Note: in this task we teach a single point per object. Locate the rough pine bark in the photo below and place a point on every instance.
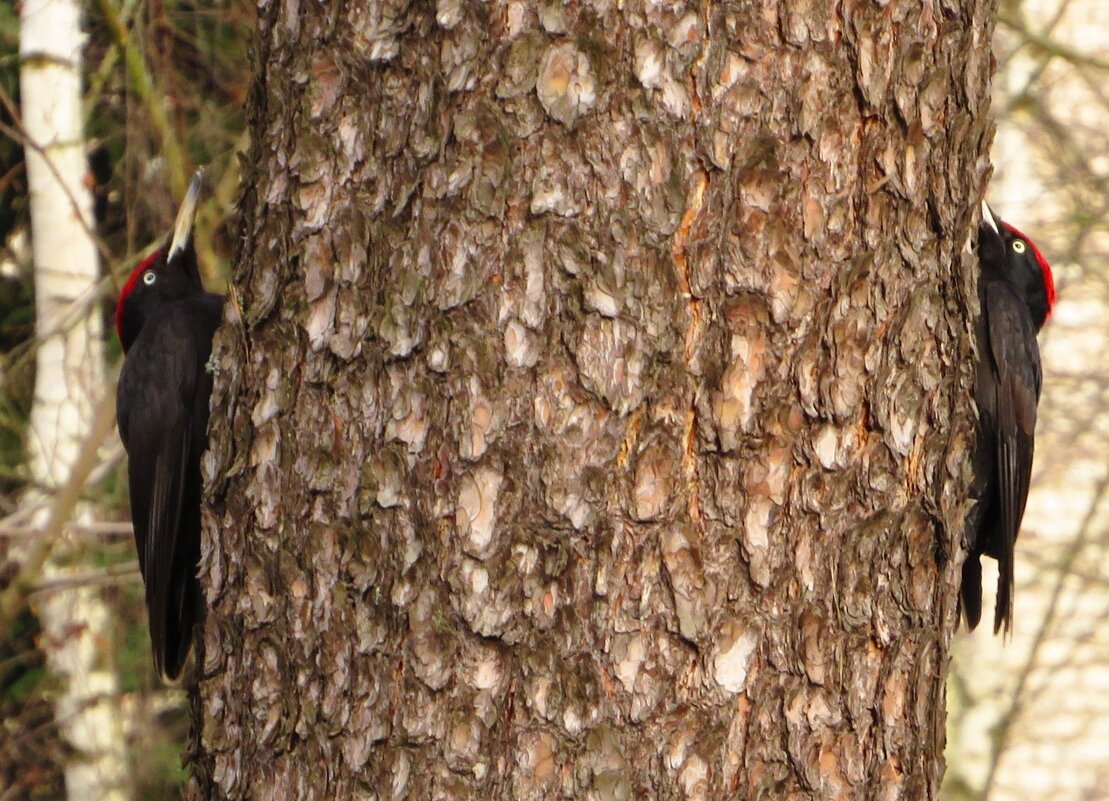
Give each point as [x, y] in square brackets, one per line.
[595, 420]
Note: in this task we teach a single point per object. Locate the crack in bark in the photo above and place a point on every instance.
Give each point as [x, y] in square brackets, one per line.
[693, 208]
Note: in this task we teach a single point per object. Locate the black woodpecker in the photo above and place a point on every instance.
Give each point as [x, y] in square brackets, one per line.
[1016, 292]
[165, 322]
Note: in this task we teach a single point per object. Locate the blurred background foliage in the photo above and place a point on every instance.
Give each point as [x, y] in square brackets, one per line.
[166, 83]
[165, 90]
[1028, 718]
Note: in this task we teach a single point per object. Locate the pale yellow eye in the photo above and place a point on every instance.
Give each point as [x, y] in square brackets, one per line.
[1018, 246]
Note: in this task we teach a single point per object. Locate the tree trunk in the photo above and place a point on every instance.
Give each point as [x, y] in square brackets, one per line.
[69, 381]
[595, 424]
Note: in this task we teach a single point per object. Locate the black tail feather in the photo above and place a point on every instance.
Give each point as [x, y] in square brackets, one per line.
[1003, 611]
[970, 590]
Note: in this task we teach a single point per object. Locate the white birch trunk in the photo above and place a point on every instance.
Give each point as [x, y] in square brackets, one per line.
[69, 380]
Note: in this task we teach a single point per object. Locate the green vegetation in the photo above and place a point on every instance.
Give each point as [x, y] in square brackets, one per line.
[166, 86]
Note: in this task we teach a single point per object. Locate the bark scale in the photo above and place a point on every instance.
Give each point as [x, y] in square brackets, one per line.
[596, 419]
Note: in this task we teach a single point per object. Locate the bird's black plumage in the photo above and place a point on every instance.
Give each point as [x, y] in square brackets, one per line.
[1015, 292]
[166, 322]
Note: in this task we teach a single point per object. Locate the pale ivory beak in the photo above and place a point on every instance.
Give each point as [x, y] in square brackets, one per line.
[988, 218]
[183, 227]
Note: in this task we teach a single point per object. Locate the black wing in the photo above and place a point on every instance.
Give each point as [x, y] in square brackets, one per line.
[1016, 356]
[163, 415]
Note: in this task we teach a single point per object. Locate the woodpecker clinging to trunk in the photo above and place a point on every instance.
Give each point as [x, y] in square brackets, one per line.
[1016, 292]
[165, 322]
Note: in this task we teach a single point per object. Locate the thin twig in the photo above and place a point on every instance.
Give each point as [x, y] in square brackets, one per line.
[99, 77]
[14, 596]
[1052, 47]
[108, 575]
[1016, 701]
[88, 530]
[152, 102]
[18, 133]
